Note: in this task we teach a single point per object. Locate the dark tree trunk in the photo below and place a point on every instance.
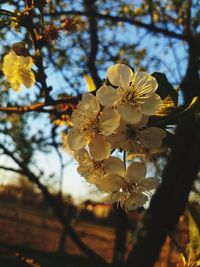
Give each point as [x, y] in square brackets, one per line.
[121, 229]
[171, 197]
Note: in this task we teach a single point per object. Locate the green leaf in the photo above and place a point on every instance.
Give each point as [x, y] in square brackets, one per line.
[164, 87]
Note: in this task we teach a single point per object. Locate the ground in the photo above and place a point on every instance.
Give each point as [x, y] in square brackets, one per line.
[37, 236]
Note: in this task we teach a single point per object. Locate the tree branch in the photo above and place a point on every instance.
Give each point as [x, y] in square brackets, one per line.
[140, 24]
[27, 22]
[11, 169]
[40, 106]
[91, 10]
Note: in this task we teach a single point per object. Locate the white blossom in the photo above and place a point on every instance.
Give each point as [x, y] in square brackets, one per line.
[93, 170]
[130, 191]
[134, 95]
[91, 125]
[137, 138]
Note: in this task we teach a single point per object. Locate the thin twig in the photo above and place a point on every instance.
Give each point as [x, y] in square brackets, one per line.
[177, 245]
[40, 106]
[149, 27]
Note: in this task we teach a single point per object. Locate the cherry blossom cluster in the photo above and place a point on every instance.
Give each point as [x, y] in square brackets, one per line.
[116, 118]
[17, 67]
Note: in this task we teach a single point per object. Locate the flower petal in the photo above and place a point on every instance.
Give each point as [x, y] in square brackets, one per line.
[17, 70]
[111, 198]
[151, 105]
[82, 155]
[9, 62]
[149, 184]
[90, 169]
[83, 118]
[15, 81]
[114, 165]
[119, 75]
[90, 102]
[152, 82]
[136, 172]
[142, 122]
[130, 114]
[144, 82]
[89, 176]
[152, 137]
[109, 121]
[110, 183]
[85, 168]
[139, 78]
[125, 138]
[28, 78]
[99, 148]
[25, 62]
[135, 201]
[108, 96]
[75, 140]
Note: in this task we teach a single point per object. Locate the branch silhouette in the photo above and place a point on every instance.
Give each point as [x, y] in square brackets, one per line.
[149, 27]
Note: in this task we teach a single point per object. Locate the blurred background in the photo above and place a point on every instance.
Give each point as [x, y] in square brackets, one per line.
[37, 172]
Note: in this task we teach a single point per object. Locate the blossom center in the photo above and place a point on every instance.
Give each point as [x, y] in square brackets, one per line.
[95, 126]
[22, 71]
[126, 192]
[98, 165]
[128, 189]
[128, 95]
[87, 124]
[131, 132]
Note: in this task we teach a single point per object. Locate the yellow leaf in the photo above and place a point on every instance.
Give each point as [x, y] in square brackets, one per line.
[193, 247]
[90, 83]
[167, 106]
[156, 17]
[194, 235]
[138, 11]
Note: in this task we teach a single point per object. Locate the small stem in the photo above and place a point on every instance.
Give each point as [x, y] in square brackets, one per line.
[42, 19]
[124, 158]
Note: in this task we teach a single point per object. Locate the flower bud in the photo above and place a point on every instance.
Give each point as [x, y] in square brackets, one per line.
[20, 49]
[28, 3]
[51, 33]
